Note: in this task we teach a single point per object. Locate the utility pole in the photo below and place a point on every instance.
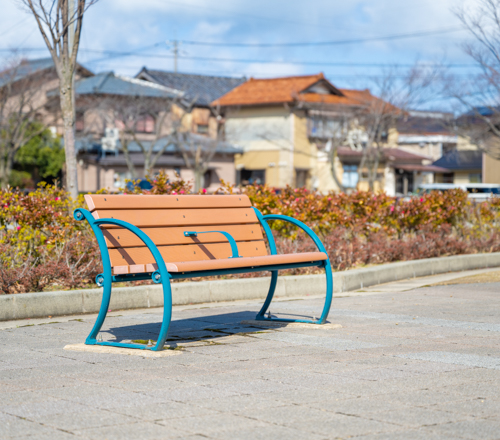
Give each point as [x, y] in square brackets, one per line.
[174, 46]
[176, 53]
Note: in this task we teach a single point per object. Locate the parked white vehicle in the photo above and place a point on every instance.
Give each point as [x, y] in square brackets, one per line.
[479, 192]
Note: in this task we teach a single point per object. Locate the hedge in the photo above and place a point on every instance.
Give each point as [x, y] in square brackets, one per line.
[43, 248]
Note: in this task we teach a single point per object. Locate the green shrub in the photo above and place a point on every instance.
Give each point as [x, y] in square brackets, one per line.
[42, 247]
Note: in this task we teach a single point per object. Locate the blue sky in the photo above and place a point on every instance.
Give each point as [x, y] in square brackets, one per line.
[143, 28]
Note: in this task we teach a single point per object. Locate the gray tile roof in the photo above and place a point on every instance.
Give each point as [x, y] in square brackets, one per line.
[108, 83]
[28, 67]
[202, 89]
[25, 68]
[461, 160]
[420, 125]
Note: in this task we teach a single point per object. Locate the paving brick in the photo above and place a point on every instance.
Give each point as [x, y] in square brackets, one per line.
[434, 376]
[141, 430]
[84, 420]
[470, 429]
[12, 426]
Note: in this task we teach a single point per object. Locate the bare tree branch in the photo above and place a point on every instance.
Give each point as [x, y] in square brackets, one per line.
[55, 20]
[20, 106]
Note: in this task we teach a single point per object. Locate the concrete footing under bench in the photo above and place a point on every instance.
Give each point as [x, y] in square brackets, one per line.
[119, 350]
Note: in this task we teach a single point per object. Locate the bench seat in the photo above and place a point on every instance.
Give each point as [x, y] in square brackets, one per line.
[232, 263]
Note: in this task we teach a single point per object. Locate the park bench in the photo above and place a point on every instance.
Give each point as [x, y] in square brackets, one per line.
[168, 237]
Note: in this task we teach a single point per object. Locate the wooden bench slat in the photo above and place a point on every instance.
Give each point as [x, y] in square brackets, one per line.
[192, 266]
[179, 217]
[116, 238]
[125, 201]
[192, 252]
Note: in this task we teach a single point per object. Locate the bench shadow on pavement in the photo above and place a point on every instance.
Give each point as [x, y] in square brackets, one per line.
[189, 330]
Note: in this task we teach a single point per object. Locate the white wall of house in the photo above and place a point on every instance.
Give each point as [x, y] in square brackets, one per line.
[259, 129]
[425, 144]
[389, 181]
[267, 137]
[460, 177]
[322, 176]
[422, 178]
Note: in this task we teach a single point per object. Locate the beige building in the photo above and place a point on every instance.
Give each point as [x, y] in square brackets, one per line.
[275, 122]
[491, 169]
[283, 126]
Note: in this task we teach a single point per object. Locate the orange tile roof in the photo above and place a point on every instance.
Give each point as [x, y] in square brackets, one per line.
[268, 91]
[290, 90]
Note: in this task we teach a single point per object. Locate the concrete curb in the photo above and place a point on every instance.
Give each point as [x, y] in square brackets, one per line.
[43, 304]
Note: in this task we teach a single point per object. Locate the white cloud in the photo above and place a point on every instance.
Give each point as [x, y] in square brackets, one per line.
[129, 25]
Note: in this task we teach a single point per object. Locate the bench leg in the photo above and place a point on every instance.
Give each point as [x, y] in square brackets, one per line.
[106, 297]
[167, 314]
[270, 295]
[326, 308]
[103, 311]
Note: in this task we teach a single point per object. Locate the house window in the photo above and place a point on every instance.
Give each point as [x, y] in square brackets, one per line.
[448, 177]
[207, 178]
[323, 128]
[350, 177]
[253, 177]
[202, 128]
[145, 124]
[475, 178]
[301, 178]
[404, 182]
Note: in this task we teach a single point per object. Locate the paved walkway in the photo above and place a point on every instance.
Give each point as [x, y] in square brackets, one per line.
[421, 363]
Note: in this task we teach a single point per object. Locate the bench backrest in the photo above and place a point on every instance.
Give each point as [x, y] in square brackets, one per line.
[164, 218]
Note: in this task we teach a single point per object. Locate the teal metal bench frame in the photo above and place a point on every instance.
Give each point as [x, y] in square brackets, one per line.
[162, 276]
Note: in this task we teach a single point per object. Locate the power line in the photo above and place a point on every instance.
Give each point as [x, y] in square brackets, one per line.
[328, 43]
[252, 60]
[114, 54]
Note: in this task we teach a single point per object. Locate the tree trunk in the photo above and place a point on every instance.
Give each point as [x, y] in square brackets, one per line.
[6, 165]
[333, 156]
[128, 160]
[374, 172]
[147, 163]
[68, 116]
[4, 174]
[198, 177]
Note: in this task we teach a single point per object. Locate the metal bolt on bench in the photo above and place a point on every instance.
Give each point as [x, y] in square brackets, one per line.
[152, 237]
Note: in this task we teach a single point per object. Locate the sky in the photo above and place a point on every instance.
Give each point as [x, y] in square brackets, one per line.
[125, 35]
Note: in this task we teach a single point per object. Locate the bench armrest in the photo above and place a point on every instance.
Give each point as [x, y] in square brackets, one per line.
[265, 218]
[80, 214]
[232, 241]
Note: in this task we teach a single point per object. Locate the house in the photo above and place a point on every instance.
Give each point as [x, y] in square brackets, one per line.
[40, 76]
[462, 166]
[444, 138]
[123, 126]
[25, 110]
[199, 92]
[477, 126]
[429, 133]
[285, 126]
[402, 172]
